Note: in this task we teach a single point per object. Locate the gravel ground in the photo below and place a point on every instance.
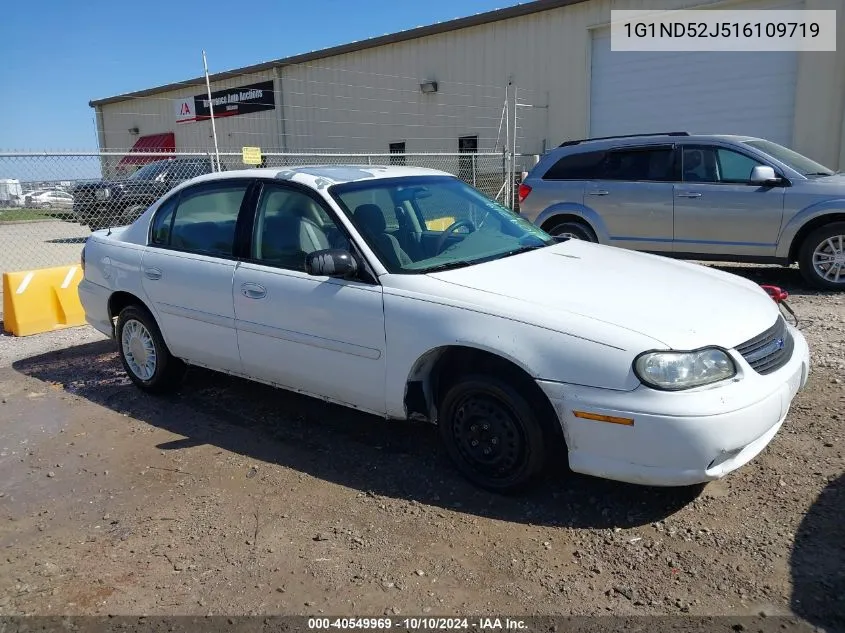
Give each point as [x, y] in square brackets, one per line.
[235, 498]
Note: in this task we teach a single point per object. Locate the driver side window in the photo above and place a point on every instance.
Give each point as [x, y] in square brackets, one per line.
[291, 225]
[717, 165]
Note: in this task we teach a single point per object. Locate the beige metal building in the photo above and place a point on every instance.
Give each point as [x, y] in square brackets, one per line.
[442, 88]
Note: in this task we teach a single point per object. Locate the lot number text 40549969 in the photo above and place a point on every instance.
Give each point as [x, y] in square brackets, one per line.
[416, 623]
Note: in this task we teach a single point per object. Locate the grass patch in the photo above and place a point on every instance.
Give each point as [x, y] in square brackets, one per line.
[22, 215]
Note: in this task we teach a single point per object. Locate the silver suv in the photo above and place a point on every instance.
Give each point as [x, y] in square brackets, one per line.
[717, 198]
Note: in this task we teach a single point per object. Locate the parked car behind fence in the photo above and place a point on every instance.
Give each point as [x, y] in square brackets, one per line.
[117, 202]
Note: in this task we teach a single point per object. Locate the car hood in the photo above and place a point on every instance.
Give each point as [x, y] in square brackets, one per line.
[836, 181]
[679, 304]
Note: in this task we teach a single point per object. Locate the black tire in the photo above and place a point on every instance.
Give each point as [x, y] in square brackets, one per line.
[514, 439]
[132, 212]
[578, 230]
[168, 370]
[817, 238]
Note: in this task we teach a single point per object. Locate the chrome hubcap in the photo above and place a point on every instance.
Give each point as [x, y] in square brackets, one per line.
[829, 259]
[139, 349]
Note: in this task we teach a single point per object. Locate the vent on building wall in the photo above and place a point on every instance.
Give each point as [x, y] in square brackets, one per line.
[428, 87]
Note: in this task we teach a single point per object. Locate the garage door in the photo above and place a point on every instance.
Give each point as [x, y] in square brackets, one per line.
[699, 92]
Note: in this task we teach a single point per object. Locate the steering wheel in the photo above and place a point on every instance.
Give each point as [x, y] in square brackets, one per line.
[441, 241]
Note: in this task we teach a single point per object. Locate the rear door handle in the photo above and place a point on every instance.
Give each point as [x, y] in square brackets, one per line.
[597, 192]
[689, 194]
[253, 291]
[152, 273]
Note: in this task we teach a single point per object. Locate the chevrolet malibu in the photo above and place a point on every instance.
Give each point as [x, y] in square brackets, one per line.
[406, 293]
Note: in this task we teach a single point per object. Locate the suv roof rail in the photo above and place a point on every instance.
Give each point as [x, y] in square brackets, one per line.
[607, 138]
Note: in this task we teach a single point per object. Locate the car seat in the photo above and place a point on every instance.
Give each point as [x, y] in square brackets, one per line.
[369, 218]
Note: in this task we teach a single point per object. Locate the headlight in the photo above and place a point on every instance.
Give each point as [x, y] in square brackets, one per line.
[102, 194]
[673, 371]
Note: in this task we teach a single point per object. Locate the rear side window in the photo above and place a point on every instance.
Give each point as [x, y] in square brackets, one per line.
[583, 166]
[184, 170]
[634, 164]
[206, 217]
[641, 164]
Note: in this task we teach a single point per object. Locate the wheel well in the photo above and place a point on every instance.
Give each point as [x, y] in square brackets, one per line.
[808, 228]
[565, 217]
[120, 300]
[438, 369]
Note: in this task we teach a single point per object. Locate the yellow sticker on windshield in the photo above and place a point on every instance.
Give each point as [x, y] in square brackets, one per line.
[439, 224]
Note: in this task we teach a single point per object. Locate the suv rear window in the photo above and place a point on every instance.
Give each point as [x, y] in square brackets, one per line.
[583, 166]
[631, 164]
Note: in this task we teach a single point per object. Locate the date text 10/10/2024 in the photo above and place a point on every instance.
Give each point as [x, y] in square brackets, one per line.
[412, 623]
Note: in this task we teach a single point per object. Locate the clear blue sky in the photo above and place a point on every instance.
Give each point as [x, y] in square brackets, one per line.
[58, 54]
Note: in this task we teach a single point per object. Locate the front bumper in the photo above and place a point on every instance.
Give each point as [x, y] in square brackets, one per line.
[678, 438]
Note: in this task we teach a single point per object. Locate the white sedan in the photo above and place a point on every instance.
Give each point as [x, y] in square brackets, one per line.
[406, 293]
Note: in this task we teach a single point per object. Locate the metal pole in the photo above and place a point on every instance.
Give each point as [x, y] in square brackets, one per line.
[211, 110]
[513, 155]
[507, 146]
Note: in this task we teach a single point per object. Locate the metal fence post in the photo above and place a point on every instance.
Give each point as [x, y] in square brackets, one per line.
[474, 169]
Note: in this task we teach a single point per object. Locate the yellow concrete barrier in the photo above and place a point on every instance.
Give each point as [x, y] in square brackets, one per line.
[439, 224]
[42, 300]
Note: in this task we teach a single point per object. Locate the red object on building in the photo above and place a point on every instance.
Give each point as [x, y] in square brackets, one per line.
[159, 143]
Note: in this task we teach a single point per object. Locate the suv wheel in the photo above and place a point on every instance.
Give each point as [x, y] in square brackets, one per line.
[574, 230]
[822, 257]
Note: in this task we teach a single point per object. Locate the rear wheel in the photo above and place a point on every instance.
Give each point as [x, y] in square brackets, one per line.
[492, 434]
[822, 257]
[132, 213]
[573, 230]
[145, 356]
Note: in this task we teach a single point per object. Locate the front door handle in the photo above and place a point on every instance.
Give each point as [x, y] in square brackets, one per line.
[689, 194]
[152, 273]
[598, 192]
[253, 291]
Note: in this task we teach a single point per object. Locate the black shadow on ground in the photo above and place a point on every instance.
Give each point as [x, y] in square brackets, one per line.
[67, 240]
[337, 444]
[818, 560]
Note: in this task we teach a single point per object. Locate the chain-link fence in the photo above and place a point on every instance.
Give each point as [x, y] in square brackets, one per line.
[50, 202]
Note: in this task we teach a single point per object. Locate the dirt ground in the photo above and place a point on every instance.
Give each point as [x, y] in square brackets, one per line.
[234, 498]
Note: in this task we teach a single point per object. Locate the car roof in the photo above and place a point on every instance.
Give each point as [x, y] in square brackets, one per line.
[319, 176]
[647, 139]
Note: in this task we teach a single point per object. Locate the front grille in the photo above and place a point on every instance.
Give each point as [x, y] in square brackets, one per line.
[769, 351]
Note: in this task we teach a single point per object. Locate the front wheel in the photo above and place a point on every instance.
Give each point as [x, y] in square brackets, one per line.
[573, 230]
[492, 434]
[822, 257]
[145, 357]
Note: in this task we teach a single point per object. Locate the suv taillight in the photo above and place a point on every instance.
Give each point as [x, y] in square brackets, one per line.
[524, 190]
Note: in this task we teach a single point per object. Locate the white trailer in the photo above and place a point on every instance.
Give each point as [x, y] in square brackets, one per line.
[11, 193]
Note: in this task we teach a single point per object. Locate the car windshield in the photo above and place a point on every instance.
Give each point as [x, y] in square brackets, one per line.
[420, 224]
[149, 172]
[793, 159]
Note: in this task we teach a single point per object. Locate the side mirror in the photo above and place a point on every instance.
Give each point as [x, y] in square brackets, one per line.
[332, 262]
[763, 174]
